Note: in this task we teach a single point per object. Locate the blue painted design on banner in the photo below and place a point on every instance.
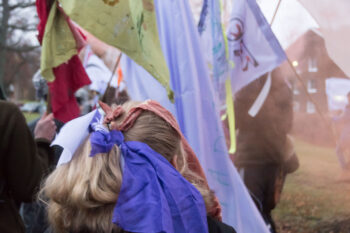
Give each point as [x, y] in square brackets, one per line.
[203, 16]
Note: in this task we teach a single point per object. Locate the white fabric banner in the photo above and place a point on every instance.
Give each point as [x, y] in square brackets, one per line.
[333, 19]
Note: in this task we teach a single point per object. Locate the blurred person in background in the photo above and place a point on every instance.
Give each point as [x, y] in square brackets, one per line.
[343, 143]
[265, 153]
[82, 97]
[41, 90]
[24, 160]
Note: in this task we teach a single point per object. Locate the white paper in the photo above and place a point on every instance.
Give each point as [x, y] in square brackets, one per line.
[72, 135]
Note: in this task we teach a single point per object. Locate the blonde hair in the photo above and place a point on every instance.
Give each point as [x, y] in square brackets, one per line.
[82, 193]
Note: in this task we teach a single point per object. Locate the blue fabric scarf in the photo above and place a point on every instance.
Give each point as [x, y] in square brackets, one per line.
[154, 196]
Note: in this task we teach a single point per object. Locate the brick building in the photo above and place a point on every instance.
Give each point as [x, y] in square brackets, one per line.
[311, 60]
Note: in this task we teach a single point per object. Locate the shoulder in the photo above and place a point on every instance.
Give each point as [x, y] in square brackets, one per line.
[12, 120]
[9, 109]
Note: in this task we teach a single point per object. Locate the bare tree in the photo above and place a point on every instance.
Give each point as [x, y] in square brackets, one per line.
[17, 40]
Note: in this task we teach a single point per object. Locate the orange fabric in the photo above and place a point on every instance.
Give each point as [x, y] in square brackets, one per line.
[120, 75]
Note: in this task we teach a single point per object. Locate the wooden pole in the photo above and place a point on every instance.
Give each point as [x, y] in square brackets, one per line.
[48, 105]
[110, 79]
[275, 13]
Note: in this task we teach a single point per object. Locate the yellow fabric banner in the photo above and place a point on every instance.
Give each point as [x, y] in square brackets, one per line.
[129, 25]
[231, 116]
[58, 44]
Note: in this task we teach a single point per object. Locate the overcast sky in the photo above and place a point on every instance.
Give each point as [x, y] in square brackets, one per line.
[291, 21]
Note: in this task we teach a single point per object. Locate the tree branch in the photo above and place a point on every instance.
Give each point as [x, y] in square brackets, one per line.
[25, 48]
[23, 27]
[22, 5]
[15, 71]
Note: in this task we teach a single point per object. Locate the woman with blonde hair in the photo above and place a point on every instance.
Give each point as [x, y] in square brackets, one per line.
[134, 173]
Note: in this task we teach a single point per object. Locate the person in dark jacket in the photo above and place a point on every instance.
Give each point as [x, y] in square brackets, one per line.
[265, 152]
[23, 162]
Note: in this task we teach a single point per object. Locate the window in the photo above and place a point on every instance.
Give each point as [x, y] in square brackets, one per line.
[312, 65]
[296, 106]
[310, 107]
[311, 86]
[295, 89]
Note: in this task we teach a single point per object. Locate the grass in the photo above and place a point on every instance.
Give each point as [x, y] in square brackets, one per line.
[312, 197]
[30, 116]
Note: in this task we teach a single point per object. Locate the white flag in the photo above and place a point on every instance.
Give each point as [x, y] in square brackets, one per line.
[252, 45]
[333, 19]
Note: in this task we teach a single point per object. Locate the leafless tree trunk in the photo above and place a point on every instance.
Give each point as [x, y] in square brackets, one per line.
[14, 24]
[3, 35]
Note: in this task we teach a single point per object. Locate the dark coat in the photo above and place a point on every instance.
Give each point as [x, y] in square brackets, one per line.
[214, 226]
[262, 139]
[23, 162]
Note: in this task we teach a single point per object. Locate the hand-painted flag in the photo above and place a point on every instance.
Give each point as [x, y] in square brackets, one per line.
[196, 111]
[128, 25]
[333, 19]
[252, 45]
[65, 73]
[213, 41]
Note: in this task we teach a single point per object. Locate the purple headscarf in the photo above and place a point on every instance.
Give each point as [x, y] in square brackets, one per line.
[154, 196]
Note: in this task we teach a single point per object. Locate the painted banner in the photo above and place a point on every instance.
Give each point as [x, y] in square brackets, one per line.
[128, 25]
[214, 45]
[253, 47]
[196, 110]
[333, 19]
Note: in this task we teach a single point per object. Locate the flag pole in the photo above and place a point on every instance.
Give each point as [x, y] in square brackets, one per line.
[275, 13]
[110, 79]
[300, 79]
[48, 104]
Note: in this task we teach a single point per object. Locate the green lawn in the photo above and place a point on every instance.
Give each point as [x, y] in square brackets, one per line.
[30, 116]
[312, 199]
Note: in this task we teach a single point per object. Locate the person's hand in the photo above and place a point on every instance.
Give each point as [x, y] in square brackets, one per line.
[45, 128]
